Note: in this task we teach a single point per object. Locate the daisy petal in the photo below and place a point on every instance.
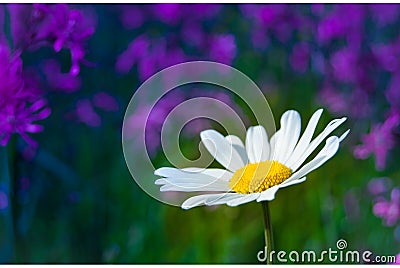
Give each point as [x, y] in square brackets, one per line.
[329, 150]
[189, 181]
[273, 141]
[238, 145]
[243, 199]
[207, 199]
[311, 147]
[305, 139]
[198, 200]
[193, 173]
[290, 133]
[202, 179]
[221, 149]
[212, 201]
[344, 135]
[257, 146]
[195, 187]
[268, 194]
[286, 184]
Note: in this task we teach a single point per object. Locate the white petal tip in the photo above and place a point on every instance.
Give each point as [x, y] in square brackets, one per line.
[186, 207]
[265, 199]
[159, 182]
[344, 135]
[268, 195]
[161, 171]
[204, 133]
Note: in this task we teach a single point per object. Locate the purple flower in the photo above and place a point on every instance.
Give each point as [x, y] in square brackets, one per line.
[300, 57]
[345, 65]
[71, 29]
[358, 103]
[60, 81]
[330, 27]
[105, 102]
[132, 16]
[223, 48]
[333, 99]
[387, 56]
[379, 141]
[379, 185]
[86, 113]
[260, 38]
[345, 21]
[150, 56]
[317, 9]
[389, 211]
[269, 14]
[35, 25]
[20, 102]
[192, 31]
[392, 93]
[137, 49]
[384, 14]
[168, 13]
[29, 24]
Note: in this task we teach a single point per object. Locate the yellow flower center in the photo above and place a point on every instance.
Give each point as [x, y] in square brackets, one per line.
[257, 177]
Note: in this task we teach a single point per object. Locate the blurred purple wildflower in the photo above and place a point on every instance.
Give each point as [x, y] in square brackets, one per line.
[86, 114]
[379, 141]
[149, 57]
[35, 25]
[379, 185]
[344, 21]
[192, 31]
[132, 16]
[392, 93]
[389, 211]
[345, 65]
[58, 80]
[151, 53]
[168, 13]
[333, 99]
[387, 55]
[158, 113]
[300, 57]
[384, 14]
[223, 48]
[20, 102]
[137, 49]
[105, 102]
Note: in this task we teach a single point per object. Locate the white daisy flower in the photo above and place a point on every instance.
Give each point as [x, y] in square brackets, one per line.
[258, 169]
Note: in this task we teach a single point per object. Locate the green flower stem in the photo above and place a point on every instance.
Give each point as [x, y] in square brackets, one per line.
[269, 242]
[6, 217]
